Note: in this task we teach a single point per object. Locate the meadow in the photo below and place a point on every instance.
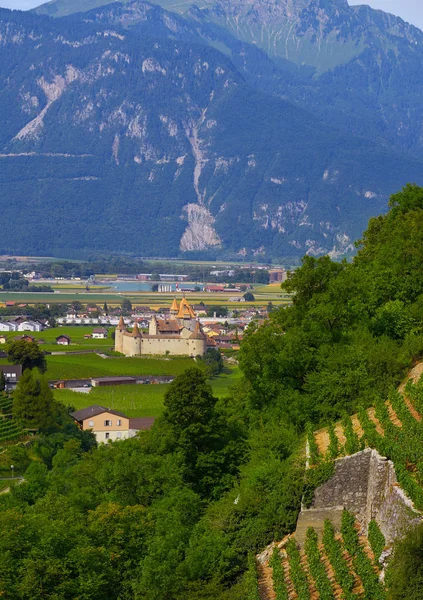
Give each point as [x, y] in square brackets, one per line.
[139, 400]
[74, 332]
[82, 366]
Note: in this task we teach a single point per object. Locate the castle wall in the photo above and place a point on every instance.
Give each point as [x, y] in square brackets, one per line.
[174, 346]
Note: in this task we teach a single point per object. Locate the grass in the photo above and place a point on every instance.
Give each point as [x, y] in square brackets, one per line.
[82, 366]
[75, 333]
[138, 400]
[4, 484]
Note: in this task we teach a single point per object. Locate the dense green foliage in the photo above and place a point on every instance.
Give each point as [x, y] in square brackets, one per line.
[34, 406]
[27, 354]
[332, 351]
[404, 577]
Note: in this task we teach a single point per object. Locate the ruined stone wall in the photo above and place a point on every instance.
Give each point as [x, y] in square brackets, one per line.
[365, 484]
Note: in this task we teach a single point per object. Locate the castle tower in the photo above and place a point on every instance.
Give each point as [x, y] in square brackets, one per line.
[186, 316]
[136, 341]
[198, 341]
[174, 309]
[152, 329]
[119, 333]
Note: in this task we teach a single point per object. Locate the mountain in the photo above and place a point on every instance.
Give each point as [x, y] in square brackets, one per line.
[354, 67]
[130, 128]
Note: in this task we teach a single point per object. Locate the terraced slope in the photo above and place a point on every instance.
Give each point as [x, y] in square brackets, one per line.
[341, 565]
[394, 428]
[9, 430]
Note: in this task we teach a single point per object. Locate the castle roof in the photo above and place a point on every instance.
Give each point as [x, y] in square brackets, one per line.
[198, 333]
[136, 333]
[185, 310]
[121, 324]
[164, 325]
[175, 306]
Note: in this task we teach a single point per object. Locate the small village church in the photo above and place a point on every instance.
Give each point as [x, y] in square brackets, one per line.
[180, 335]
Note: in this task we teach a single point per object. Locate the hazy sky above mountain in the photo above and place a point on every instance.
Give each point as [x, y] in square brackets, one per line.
[409, 10]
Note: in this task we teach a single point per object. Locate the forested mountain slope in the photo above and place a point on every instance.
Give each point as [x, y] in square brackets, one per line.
[129, 118]
[355, 67]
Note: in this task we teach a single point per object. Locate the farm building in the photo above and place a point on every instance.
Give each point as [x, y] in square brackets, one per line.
[99, 334]
[104, 381]
[63, 340]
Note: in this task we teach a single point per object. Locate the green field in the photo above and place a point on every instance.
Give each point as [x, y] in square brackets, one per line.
[82, 366]
[59, 298]
[75, 333]
[263, 294]
[138, 400]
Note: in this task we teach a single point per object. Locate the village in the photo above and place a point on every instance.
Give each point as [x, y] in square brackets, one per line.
[123, 355]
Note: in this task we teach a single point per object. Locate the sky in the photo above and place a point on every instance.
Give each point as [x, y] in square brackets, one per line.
[409, 10]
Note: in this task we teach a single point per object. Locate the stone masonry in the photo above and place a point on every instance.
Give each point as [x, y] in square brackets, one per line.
[365, 484]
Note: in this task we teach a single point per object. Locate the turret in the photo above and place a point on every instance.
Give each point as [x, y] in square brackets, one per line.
[136, 342]
[198, 341]
[152, 330]
[174, 309]
[119, 333]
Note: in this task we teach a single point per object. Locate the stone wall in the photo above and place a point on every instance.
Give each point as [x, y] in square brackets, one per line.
[365, 484]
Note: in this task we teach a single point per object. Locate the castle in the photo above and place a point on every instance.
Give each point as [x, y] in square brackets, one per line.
[180, 335]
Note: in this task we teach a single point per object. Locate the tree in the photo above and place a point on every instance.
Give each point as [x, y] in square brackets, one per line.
[213, 360]
[105, 309]
[2, 382]
[126, 305]
[27, 354]
[76, 305]
[221, 311]
[211, 449]
[249, 297]
[33, 402]
[189, 401]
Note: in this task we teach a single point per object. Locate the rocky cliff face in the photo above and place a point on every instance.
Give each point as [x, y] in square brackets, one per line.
[160, 129]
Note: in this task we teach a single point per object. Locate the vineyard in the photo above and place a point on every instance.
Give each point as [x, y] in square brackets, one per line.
[9, 429]
[345, 565]
[394, 428]
[340, 566]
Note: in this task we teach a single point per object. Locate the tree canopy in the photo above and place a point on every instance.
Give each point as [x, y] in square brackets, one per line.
[27, 354]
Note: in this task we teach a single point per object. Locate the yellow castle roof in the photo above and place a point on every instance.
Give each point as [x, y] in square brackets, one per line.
[185, 310]
[175, 306]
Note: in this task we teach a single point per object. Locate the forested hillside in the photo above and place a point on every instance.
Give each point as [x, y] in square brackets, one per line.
[167, 133]
[175, 512]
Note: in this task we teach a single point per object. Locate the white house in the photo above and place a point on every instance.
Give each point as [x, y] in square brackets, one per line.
[7, 326]
[99, 334]
[30, 326]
